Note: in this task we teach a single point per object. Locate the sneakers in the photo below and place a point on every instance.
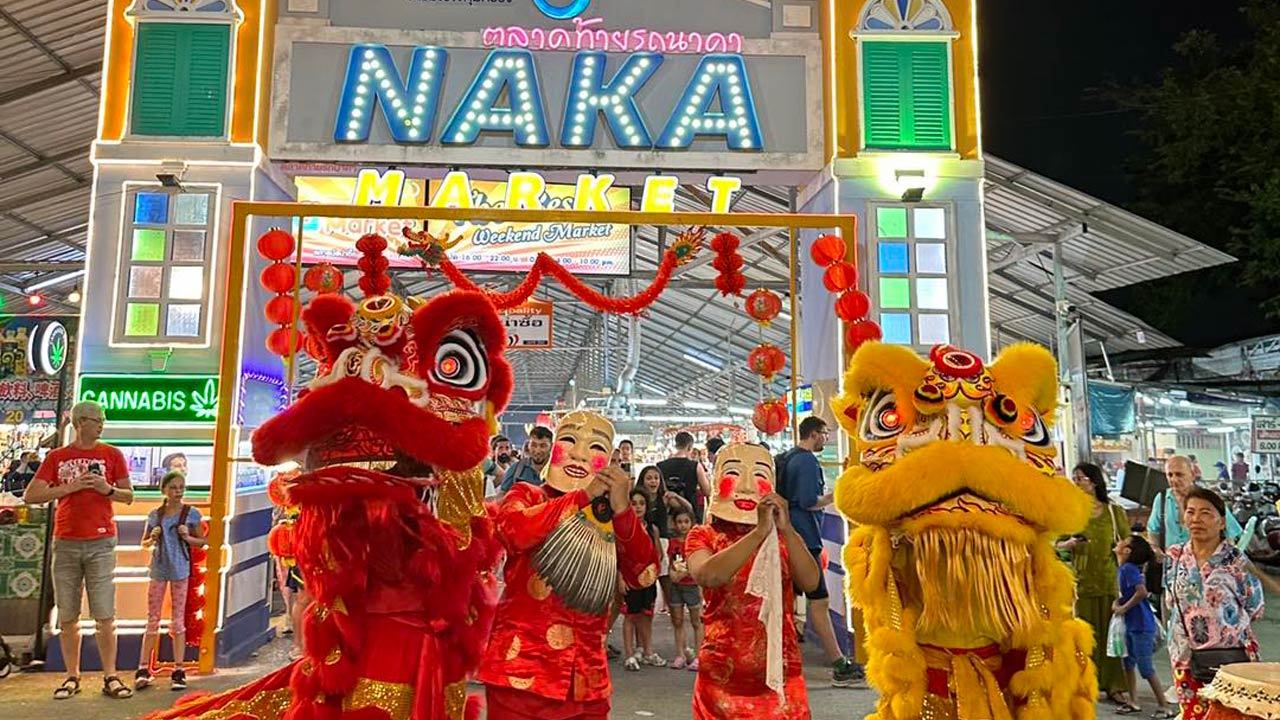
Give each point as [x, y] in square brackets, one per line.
[847, 674]
[678, 663]
[655, 660]
[142, 679]
[632, 663]
[693, 666]
[178, 680]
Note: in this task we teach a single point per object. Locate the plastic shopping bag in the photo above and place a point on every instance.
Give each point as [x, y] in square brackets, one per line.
[1115, 637]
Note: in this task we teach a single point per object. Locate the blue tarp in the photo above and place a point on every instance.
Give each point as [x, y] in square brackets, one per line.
[1111, 409]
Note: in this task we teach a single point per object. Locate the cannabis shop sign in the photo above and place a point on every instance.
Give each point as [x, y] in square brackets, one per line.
[154, 398]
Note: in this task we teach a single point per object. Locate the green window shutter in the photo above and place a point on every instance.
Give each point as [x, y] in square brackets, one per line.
[180, 82]
[906, 95]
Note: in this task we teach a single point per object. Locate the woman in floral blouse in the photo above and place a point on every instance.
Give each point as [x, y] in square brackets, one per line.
[1216, 597]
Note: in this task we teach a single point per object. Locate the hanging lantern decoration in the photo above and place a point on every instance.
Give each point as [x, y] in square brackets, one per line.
[771, 416]
[728, 263]
[323, 279]
[766, 361]
[862, 331]
[853, 305]
[280, 540]
[280, 278]
[763, 306]
[373, 266]
[840, 276]
[828, 249]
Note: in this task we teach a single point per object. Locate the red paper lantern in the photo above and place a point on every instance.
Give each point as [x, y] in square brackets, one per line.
[828, 249]
[285, 341]
[840, 276]
[275, 244]
[853, 305]
[280, 541]
[862, 331]
[766, 360]
[770, 416]
[763, 306]
[278, 492]
[280, 309]
[323, 278]
[279, 278]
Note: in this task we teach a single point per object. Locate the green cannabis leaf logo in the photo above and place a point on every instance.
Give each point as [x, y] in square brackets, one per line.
[204, 403]
[58, 351]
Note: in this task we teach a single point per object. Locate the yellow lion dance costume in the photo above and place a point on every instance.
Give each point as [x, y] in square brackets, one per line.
[957, 502]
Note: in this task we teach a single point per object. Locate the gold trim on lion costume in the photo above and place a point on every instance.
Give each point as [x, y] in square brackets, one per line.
[956, 500]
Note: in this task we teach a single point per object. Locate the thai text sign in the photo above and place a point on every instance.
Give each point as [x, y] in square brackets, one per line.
[1266, 434]
[153, 398]
[529, 326]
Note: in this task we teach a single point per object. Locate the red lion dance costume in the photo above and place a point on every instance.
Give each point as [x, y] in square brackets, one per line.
[398, 563]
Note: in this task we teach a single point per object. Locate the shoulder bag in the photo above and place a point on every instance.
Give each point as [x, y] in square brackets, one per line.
[1205, 663]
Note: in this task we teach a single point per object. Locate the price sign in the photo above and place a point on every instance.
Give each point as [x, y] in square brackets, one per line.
[1266, 434]
[529, 326]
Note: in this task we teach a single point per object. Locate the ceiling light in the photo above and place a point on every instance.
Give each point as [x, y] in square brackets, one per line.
[698, 405]
[35, 300]
[648, 402]
[741, 410]
[701, 363]
[1222, 429]
[74, 296]
[1184, 423]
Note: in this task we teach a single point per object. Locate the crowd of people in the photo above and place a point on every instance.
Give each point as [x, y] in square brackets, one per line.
[1181, 577]
[1179, 580]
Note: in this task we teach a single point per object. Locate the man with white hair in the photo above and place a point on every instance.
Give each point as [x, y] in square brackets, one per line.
[1164, 527]
[86, 478]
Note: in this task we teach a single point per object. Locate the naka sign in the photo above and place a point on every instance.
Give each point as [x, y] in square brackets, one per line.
[505, 97]
[540, 83]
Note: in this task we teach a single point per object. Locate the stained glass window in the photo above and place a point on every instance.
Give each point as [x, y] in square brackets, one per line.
[913, 286]
[163, 292]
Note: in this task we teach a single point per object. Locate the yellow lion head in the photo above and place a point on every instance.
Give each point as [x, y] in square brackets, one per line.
[954, 486]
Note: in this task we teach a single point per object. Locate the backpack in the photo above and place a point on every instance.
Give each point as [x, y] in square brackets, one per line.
[183, 514]
[780, 479]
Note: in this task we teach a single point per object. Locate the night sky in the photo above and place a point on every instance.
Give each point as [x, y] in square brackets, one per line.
[1044, 65]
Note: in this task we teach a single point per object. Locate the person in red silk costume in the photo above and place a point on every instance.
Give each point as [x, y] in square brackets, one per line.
[398, 564]
[546, 656]
[745, 559]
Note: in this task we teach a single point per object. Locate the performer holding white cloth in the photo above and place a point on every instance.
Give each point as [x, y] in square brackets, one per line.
[745, 559]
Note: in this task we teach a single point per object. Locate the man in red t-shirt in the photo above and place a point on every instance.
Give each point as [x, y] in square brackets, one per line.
[85, 477]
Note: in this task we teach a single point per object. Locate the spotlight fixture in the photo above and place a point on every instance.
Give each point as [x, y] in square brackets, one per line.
[169, 180]
[911, 183]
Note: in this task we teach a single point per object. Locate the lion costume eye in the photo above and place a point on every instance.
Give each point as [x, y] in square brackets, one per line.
[460, 362]
[1034, 431]
[881, 420]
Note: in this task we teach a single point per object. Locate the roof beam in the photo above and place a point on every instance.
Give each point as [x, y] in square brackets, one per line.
[66, 76]
[40, 157]
[44, 162]
[42, 47]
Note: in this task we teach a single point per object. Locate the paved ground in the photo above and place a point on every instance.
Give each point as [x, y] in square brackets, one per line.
[651, 693]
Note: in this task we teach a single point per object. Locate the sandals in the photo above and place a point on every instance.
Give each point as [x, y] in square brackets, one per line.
[114, 689]
[1128, 710]
[1165, 714]
[69, 687]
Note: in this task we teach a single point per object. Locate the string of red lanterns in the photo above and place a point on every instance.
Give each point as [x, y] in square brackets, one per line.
[280, 278]
[841, 279]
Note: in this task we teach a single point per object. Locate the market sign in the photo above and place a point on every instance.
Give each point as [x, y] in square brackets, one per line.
[1266, 434]
[529, 326]
[581, 248]
[165, 399]
[697, 86]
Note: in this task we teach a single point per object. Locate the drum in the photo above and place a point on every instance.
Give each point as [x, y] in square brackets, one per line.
[1244, 690]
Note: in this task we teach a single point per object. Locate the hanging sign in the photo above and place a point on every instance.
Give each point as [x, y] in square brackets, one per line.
[1266, 434]
[529, 326]
[153, 398]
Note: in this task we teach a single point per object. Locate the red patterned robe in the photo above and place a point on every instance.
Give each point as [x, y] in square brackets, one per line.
[731, 675]
[546, 660]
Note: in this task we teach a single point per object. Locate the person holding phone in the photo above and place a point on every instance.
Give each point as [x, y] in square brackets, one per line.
[86, 478]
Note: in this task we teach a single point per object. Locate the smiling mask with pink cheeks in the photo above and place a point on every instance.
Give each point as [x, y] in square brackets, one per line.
[744, 475]
[584, 441]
